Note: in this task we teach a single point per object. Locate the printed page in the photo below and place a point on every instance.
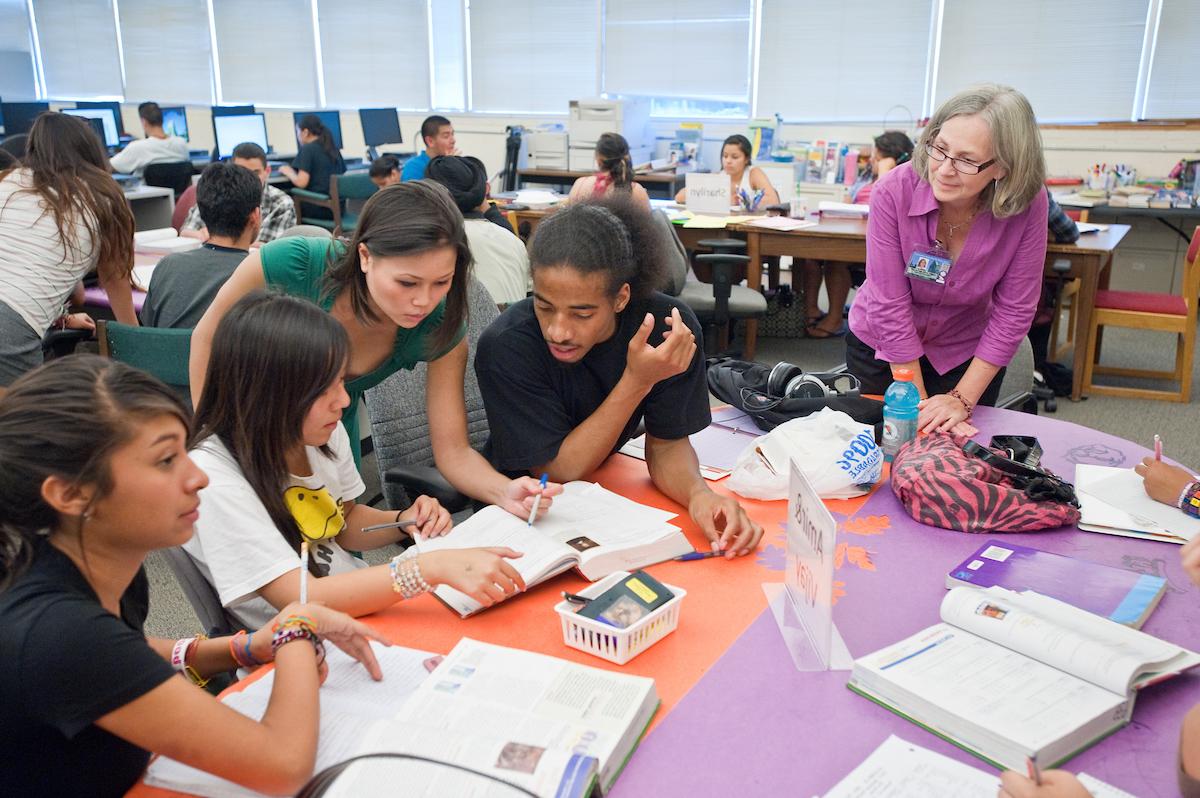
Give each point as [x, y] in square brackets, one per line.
[1011, 695]
[899, 769]
[529, 698]
[1075, 641]
[1101, 789]
[493, 526]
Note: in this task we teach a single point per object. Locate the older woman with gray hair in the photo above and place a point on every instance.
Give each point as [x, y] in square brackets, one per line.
[956, 244]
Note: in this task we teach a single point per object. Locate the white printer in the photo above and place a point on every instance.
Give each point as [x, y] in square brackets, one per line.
[588, 119]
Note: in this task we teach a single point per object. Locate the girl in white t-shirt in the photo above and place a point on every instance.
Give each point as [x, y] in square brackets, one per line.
[269, 434]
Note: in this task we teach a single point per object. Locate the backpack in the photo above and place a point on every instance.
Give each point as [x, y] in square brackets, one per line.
[772, 395]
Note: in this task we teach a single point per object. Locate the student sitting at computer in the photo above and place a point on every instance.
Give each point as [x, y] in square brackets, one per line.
[614, 172]
[270, 438]
[61, 217]
[385, 171]
[156, 147]
[568, 374]
[278, 210]
[316, 163]
[399, 288]
[184, 284]
[501, 262]
[438, 135]
[95, 475]
[745, 180]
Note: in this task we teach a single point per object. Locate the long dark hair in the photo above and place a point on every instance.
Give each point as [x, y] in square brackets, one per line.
[612, 150]
[742, 143]
[405, 219]
[313, 124]
[65, 419]
[272, 356]
[894, 144]
[613, 235]
[72, 178]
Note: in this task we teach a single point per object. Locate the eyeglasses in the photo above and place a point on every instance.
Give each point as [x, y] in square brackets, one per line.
[962, 167]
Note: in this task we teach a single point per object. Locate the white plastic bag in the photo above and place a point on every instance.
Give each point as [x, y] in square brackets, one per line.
[837, 454]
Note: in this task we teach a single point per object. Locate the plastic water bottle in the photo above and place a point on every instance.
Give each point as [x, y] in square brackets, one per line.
[899, 412]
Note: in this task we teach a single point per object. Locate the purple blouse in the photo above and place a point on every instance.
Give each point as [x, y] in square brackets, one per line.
[991, 292]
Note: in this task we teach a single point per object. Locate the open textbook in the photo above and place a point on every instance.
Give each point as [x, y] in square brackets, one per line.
[550, 726]
[1113, 501]
[1008, 675]
[588, 527]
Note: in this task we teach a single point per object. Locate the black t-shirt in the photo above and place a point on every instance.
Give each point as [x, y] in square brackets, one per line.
[65, 662]
[534, 402]
[313, 159]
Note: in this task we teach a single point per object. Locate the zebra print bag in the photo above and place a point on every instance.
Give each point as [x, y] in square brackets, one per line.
[941, 485]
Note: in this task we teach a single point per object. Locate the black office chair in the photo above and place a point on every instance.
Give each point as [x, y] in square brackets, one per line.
[15, 145]
[176, 176]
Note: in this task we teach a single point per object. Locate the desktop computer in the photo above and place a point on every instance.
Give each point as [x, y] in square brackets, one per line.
[233, 130]
[18, 117]
[232, 110]
[175, 121]
[115, 107]
[380, 126]
[109, 134]
[330, 119]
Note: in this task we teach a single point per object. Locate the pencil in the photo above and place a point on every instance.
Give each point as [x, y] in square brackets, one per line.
[537, 502]
[304, 572]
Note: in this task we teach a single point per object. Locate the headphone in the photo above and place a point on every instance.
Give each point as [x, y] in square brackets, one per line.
[788, 381]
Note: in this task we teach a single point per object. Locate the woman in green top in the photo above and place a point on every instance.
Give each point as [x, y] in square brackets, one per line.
[400, 290]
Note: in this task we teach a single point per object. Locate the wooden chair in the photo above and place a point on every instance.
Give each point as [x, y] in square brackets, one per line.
[1068, 290]
[1149, 311]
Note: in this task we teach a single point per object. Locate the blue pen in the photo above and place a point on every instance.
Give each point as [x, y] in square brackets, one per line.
[538, 501]
[698, 555]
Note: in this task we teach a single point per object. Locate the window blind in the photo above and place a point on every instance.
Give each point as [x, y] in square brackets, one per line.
[79, 48]
[265, 52]
[449, 57]
[1174, 88]
[17, 80]
[375, 53]
[531, 56]
[167, 51]
[678, 48]
[1076, 60]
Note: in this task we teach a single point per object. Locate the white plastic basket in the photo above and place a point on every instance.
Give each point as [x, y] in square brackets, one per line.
[608, 642]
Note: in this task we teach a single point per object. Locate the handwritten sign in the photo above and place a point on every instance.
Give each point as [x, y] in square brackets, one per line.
[808, 580]
[708, 193]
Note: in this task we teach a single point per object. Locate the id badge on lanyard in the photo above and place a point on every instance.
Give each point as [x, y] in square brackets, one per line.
[930, 264]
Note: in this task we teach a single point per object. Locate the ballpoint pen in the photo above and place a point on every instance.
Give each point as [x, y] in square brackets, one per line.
[698, 555]
[537, 502]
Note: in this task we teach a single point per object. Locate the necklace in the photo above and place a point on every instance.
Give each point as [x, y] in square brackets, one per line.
[951, 229]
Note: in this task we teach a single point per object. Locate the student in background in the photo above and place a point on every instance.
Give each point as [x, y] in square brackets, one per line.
[743, 176]
[61, 217]
[156, 147]
[399, 289]
[184, 284]
[385, 171]
[568, 375]
[438, 135]
[94, 475]
[278, 210]
[501, 262]
[891, 148]
[316, 163]
[614, 172]
[280, 469]
[977, 173]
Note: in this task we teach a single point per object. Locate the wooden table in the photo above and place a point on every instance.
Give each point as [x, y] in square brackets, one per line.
[665, 184]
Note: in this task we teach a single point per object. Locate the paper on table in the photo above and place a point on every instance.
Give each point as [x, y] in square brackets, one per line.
[706, 223]
[783, 223]
[1121, 489]
[1100, 789]
[899, 769]
[717, 446]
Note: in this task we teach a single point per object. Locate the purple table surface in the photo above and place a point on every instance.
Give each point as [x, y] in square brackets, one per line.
[754, 725]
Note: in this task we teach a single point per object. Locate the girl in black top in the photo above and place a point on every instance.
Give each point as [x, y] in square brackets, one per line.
[316, 163]
[94, 475]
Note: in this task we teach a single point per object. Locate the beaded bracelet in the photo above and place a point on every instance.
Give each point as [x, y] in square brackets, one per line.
[406, 575]
[284, 636]
[1189, 499]
[970, 408]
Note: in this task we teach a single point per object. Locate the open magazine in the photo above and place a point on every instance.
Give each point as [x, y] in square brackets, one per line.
[1009, 675]
[588, 527]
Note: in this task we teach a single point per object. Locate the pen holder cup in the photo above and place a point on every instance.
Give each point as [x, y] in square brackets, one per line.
[608, 642]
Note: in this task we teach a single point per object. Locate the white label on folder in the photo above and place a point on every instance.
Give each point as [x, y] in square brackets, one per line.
[996, 553]
[708, 193]
[975, 565]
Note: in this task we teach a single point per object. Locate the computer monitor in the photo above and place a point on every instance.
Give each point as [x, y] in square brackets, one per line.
[97, 126]
[112, 106]
[232, 110]
[233, 130]
[380, 126]
[18, 117]
[330, 119]
[105, 116]
[175, 121]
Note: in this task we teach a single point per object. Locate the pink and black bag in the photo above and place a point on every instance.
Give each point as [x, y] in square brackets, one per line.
[941, 484]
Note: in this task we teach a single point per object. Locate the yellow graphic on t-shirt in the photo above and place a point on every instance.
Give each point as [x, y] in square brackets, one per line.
[317, 513]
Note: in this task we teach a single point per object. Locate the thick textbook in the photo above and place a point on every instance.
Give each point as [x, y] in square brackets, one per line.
[1008, 675]
[1117, 594]
[588, 527]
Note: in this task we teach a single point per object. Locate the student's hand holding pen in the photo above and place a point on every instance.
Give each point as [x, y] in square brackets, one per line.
[724, 523]
[1163, 481]
[433, 520]
[522, 493]
[1054, 784]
